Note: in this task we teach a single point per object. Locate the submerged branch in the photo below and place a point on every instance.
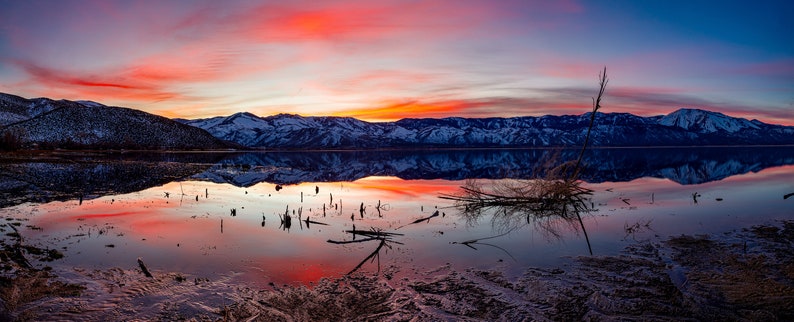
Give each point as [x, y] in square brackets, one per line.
[373, 233]
[469, 243]
[385, 239]
[474, 241]
[371, 256]
[541, 197]
[559, 194]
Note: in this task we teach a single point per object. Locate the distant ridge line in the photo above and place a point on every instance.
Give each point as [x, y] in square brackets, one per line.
[33, 123]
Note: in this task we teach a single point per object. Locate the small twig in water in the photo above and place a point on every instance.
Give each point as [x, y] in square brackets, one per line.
[469, 243]
[427, 219]
[308, 221]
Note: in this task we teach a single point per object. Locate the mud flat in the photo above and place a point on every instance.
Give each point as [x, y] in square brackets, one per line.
[745, 274]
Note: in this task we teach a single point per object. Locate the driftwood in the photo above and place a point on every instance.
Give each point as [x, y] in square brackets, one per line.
[374, 255]
[342, 242]
[143, 268]
[372, 234]
[788, 195]
[560, 194]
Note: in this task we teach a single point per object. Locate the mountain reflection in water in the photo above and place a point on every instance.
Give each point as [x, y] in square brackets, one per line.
[67, 176]
[684, 166]
[206, 214]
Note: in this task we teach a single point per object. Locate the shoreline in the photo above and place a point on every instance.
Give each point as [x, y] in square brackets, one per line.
[742, 274]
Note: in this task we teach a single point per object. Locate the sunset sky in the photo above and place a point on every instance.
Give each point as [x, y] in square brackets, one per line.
[386, 60]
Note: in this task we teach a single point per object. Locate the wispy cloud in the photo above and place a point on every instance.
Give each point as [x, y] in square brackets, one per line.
[388, 59]
[94, 86]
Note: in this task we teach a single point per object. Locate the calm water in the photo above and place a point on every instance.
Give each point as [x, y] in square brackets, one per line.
[175, 210]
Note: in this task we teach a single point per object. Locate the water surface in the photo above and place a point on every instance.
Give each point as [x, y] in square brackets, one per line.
[209, 215]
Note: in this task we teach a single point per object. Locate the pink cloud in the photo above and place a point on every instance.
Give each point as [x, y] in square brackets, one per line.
[782, 68]
[433, 58]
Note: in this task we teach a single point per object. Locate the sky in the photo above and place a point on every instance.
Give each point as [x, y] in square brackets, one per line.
[387, 60]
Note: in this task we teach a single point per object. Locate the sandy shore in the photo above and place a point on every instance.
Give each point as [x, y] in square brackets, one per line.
[746, 274]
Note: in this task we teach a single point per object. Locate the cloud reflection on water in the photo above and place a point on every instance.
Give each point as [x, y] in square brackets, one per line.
[183, 234]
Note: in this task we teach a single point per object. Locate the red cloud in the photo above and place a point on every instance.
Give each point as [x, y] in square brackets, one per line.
[95, 86]
[355, 21]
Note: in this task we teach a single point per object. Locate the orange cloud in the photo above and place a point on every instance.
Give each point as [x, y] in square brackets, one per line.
[384, 80]
[479, 107]
[399, 110]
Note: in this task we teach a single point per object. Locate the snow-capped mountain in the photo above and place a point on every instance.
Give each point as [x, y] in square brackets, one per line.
[707, 122]
[86, 125]
[293, 131]
[684, 127]
[16, 109]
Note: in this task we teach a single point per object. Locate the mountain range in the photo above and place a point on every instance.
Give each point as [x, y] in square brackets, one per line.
[47, 123]
[684, 127]
[44, 122]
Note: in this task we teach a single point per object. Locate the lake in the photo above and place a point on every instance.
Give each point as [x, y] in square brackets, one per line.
[221, 216]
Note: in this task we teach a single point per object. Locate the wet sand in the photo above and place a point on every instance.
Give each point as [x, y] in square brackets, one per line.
[746, 274]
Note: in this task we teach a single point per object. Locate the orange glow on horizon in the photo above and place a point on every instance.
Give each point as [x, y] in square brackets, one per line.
[400, 110]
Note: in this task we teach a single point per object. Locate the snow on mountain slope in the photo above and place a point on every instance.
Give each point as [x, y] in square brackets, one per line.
[682, 127]
[15, 109]
[705, 121]
[287, 130]
[45, 123]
